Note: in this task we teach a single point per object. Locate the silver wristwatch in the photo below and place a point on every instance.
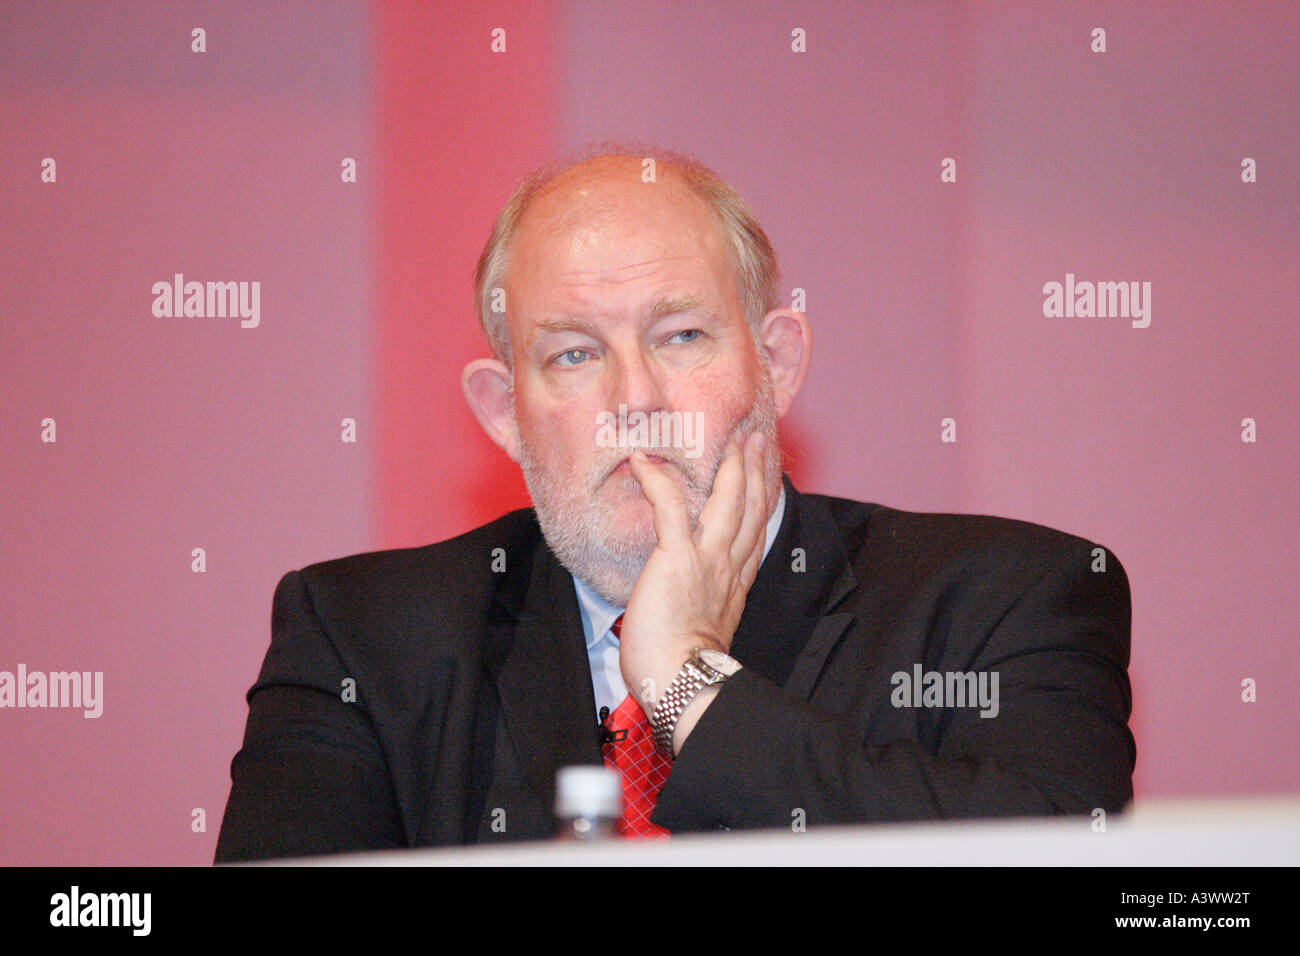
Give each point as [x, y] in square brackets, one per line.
[706, 668]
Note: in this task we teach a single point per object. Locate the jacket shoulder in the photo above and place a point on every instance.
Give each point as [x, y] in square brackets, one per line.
[451, 575]
[916, 540]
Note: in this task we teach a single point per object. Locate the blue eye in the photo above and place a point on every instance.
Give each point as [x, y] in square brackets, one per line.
[569, 354]
[693, 333]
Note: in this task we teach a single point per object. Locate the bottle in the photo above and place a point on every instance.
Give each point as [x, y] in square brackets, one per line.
[588, 801]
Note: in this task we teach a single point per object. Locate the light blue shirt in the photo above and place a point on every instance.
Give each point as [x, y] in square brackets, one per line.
[598, 617]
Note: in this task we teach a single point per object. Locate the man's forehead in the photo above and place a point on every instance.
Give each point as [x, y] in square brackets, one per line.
[596, 265]
[659, 306]
[600, 245]
[613, 272]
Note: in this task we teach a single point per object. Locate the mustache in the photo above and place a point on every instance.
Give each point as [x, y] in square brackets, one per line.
[605, 464]
[700, 480]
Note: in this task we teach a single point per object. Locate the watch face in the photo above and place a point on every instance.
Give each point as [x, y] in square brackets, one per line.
[719, 661]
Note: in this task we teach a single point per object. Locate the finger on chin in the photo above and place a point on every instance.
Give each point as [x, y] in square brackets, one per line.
[666, 500]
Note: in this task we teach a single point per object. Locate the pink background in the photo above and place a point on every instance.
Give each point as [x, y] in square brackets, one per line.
[925, 299]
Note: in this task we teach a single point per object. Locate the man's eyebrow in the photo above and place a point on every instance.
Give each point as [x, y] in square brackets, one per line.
[666, 305]
[561, 324]
[674, 304]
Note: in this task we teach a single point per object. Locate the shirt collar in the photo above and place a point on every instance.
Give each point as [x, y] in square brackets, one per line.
[598, 615]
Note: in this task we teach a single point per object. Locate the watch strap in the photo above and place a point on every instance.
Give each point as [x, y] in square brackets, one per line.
[694, 676]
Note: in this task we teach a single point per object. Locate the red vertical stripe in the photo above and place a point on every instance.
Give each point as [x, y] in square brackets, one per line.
[457, 125]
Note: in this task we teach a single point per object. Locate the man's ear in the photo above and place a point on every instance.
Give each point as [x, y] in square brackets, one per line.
[786, 338]
[486, 384]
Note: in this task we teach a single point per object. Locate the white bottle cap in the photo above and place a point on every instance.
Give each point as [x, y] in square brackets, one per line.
[588, 791]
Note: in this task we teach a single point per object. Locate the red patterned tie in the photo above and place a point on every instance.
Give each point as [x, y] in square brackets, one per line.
[633, 755]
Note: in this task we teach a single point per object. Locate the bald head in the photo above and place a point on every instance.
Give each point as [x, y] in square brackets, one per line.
[596, 190]
[601, 196]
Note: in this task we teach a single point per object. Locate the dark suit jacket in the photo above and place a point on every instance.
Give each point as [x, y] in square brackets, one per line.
[472, 687]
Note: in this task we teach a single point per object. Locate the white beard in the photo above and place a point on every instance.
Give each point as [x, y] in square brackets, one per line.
[582, 529]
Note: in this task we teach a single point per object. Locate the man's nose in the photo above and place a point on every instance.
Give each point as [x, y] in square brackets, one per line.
[638, 382]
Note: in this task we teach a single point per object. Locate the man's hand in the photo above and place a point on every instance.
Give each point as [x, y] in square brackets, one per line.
[692, 589]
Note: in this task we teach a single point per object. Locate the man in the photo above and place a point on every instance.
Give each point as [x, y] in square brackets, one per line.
[781, 659]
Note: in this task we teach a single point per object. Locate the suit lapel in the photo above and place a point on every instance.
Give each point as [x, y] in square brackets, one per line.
[788, 629]
[544, 680]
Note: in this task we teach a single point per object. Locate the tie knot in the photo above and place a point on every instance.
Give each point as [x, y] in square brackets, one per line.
[617, 626]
